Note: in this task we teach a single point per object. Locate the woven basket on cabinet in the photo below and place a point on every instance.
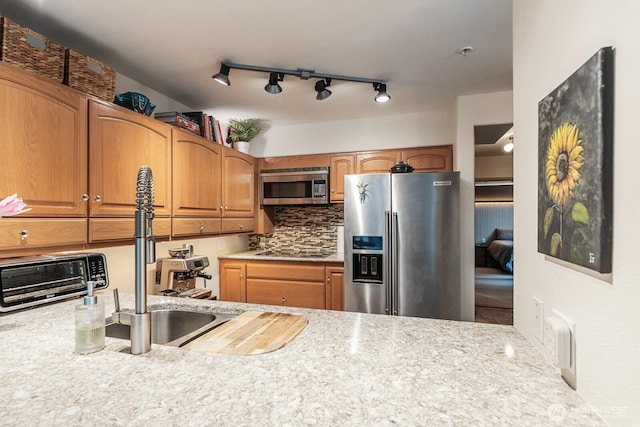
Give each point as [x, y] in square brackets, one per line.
[89, 75]
[31, 51]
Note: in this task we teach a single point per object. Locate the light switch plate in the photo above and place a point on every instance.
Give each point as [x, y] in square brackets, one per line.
[538, 319]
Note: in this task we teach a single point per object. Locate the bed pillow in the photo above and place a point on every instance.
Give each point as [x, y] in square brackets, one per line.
[504, 234]
[502, 252]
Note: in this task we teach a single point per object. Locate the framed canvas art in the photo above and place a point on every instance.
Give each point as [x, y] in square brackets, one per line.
[575, 166]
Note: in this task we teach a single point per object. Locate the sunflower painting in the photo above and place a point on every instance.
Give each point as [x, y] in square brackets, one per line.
[575, 161]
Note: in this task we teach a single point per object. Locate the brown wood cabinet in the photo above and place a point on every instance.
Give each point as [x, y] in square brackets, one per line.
[429, 159]
[238, 184]
[233, 281]
[335, 286]
[121, 141]
[340, 166]
[296, 283]
[43, 136]
[377, 161]
[196, 176]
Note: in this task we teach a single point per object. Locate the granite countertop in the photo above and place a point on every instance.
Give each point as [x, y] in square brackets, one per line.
[258, 255]
[343, 369]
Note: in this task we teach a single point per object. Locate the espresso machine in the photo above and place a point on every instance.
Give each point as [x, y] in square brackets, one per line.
[176, 275]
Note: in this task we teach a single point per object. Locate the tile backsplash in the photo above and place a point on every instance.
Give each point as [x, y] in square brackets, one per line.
[306, 229]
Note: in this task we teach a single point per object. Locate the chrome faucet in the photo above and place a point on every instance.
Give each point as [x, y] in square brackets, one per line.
[145, 253]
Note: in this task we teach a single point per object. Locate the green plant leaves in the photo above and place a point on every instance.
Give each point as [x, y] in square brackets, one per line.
[548, 220]
[579, 213]
[556, 244]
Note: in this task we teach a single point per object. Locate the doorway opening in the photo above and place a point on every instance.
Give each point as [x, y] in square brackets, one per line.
[494, 263]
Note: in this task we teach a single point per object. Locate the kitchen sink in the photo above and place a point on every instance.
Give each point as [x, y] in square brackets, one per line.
[173, 327]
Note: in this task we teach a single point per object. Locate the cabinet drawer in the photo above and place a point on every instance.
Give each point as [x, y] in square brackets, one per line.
[305, 271]
[237, 225]
[41, 232]
[195, 226]
[105, 229]
[297, 294]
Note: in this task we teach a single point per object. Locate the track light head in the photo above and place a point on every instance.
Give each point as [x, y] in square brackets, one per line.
[273, 87]
[223, 76]
[321, 88]
[382, 95]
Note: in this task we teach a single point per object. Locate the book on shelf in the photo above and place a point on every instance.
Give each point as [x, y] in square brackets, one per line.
[178, 119]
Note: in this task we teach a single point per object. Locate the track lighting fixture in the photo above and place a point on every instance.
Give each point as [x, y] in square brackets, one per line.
[273, 87]
[223, 75]
[277, 75]
[382, 95]
[321, 88]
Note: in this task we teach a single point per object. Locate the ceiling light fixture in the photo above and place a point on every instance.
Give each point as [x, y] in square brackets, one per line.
[223, 76]
[273, 87]
[382, 95]
[321, 88]
[277, 74]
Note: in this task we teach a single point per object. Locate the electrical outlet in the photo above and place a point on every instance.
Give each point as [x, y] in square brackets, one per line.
[557, 342]
[569, 373]
[538, 319]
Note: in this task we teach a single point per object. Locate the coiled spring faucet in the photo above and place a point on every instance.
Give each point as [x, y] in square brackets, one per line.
[145, 253]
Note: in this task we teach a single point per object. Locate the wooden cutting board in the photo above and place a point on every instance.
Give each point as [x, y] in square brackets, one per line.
[252, 332]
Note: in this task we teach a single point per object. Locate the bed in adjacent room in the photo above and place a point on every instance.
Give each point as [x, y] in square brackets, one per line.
[494, 279]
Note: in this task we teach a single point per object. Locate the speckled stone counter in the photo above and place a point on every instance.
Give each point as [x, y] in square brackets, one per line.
[343, 369]
[256, 256]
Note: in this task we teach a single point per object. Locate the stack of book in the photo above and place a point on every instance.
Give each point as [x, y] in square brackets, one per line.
[195, 121]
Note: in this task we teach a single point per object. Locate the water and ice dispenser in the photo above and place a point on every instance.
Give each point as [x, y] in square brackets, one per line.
[367, 259]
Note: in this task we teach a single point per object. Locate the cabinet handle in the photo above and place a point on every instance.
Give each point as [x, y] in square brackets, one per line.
[241, 226]
[241, 275]
[226, 207]
[284, 300]
[220, 207]
[333, 190]
[24, 234]
[328, 278]
[84, 197]
[201, 227]
[97, 198]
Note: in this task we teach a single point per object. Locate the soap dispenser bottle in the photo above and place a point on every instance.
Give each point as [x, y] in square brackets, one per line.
[90, 323]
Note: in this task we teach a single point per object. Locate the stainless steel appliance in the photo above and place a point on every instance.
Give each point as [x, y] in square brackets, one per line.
[180, 271]
[299, 186]
[402, 244]
[30, 281]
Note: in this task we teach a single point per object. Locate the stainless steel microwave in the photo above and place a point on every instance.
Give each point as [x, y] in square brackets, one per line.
[29, 281]
[299, 186]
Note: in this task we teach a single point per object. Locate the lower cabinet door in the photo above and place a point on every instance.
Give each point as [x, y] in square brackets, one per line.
[294, 294]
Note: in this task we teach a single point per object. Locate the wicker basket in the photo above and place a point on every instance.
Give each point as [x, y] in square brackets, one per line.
[89, 76]
[31, 51]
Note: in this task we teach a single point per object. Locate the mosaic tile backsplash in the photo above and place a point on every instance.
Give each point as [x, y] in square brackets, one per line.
[302, 229]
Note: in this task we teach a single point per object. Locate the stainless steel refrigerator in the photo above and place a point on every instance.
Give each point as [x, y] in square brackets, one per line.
[402, 244]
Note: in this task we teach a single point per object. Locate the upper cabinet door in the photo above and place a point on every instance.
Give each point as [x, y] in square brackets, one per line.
[196, 176]
[43, 137]
[341, 165]
[429, 159]
[377, 161]
[120, 141]
[238, 184]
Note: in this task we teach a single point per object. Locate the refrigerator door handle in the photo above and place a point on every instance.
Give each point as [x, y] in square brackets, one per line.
[394, 263]
[386, 263]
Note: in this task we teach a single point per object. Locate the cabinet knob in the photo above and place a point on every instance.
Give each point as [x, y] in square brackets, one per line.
[241, 275]
[84, 197]
[284, 300]
[97, 198]
[201, 227]
[241, 226]
[220, 207]
[24, 234]
[333, 190]
[226, 207]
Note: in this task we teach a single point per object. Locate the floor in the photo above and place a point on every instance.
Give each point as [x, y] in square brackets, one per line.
[500, 316]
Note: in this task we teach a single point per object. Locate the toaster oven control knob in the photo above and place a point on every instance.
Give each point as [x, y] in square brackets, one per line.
[97, 198]
[24, 234]
[84, 197]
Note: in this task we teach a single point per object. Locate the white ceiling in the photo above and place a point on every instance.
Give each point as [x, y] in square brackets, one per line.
[176, 46]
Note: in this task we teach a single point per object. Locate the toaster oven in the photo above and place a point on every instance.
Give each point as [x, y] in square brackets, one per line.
[30, 281]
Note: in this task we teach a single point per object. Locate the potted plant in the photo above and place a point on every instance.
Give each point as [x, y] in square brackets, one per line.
[241, 131]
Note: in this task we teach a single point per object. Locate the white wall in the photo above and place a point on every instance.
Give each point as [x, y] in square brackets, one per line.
[410, 130]
[473, 110]
[494, 167]
[162, 102]
[551, 40]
